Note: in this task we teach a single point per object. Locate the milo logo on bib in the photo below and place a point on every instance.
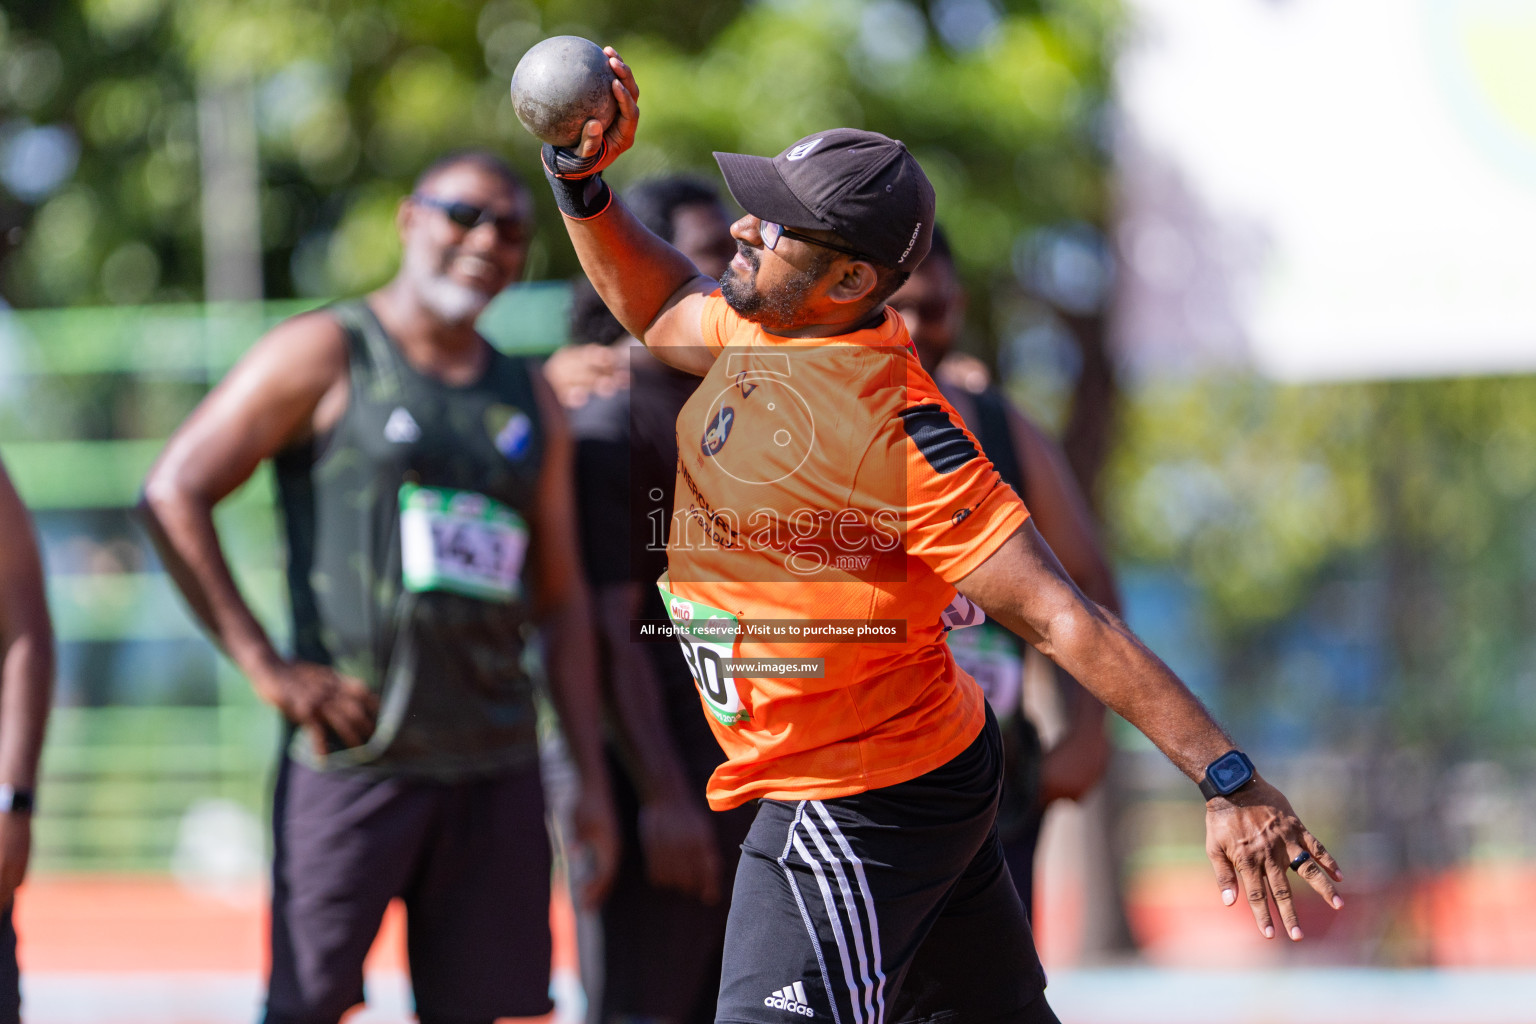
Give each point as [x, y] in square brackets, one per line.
[708, 638]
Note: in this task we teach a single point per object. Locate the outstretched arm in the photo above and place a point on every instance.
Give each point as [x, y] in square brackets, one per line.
[26, 678]
[653, 290]
[1252, 835]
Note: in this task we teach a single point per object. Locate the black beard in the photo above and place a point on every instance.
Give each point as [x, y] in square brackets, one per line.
[780, 308]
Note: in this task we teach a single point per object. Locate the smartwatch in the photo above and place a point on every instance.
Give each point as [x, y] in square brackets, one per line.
[1227, 774]
[13, 799]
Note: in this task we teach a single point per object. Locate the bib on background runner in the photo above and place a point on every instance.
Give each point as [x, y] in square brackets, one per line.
[987, 652]
[708, 637]
[990, 654]
[460, 542]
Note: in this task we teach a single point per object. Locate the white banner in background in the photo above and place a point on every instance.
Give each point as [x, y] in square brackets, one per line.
[1329, 189]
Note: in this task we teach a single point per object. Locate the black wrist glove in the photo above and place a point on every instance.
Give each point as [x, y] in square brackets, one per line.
[580, 194]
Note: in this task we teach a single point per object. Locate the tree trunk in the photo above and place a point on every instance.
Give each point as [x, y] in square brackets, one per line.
[226, 131]
[1086, 439]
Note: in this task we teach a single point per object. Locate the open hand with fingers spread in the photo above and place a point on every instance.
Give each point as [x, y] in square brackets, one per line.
[1254, 840]
[321, 701]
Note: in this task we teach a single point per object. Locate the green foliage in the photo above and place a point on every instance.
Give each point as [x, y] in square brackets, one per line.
[352, 99]
[1252, 487]
[1421, 491]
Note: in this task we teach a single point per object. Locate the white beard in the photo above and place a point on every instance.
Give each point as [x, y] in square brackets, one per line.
[450, 301]
[445, 298]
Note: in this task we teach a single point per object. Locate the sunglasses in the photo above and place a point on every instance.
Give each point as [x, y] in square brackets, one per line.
[510, 227]
[771, 233]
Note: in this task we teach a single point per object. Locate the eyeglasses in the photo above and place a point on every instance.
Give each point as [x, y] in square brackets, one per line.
[771, 233]
[510, 227]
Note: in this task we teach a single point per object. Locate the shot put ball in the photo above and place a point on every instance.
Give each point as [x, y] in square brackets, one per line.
[559, 84]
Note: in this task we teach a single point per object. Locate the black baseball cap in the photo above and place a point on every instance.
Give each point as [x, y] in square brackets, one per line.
[862, 185]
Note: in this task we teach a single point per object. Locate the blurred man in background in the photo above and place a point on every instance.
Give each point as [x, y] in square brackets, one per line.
[933, 304]
[662, 928]
[425, 484]
[26, 692]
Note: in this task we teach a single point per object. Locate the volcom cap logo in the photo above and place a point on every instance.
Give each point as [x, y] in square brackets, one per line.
[910, 243]
[803, 150]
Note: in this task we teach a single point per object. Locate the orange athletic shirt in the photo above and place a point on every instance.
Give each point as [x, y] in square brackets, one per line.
[828, 479]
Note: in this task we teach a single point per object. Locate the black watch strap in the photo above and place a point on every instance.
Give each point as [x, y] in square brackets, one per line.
[1227, 774]
[13, 799]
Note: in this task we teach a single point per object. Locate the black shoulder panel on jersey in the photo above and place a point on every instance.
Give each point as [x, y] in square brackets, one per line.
[944, 445]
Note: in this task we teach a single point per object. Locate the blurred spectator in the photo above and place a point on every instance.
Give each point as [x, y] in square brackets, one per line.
[933, 305]
[417, 467]
[662, 929]
[26, 685]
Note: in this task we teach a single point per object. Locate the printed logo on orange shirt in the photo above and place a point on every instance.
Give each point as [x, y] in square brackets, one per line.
[718, 431]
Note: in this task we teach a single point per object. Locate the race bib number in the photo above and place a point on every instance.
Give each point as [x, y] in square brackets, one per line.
[460, 542]
[992, 658]
[708, 638]
[961, 613]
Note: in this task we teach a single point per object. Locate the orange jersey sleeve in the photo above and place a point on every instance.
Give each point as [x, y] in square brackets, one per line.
[718, 322]
[958, 509]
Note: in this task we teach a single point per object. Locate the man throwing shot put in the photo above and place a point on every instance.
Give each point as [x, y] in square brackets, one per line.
[824, 481]
[425, 487]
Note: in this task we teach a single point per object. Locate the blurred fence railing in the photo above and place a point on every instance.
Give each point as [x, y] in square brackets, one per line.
[149, 722]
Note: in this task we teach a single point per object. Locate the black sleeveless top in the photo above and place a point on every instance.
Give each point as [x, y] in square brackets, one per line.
[446, 658]
[626, 470]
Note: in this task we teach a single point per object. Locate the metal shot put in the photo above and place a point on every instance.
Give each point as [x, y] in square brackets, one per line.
[560, 84]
